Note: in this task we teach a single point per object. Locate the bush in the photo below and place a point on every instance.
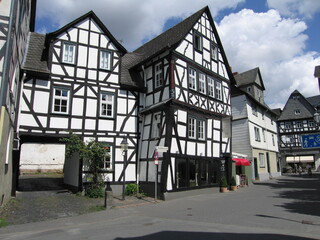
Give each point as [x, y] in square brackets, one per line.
[95, 191]
[132, 189]
[233, 181]
[223, 182]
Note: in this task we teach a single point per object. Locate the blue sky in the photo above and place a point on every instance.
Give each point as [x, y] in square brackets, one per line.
[281, 37]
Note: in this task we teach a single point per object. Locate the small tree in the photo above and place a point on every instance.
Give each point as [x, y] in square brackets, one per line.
[92, 154]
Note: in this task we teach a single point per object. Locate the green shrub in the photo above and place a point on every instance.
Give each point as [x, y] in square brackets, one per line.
[223, 182]
[95, 191]
[233, 181]
[132, 190]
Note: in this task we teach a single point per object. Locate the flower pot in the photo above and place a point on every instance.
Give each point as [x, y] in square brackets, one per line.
[234, 188]
[223, 189]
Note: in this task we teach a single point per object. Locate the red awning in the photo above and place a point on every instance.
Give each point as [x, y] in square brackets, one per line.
[241, 161]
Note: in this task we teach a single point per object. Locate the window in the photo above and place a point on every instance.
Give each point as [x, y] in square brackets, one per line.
[264, 135]
[192, 79]
[299, 125]
[202, 83]
[287, 125]
[297, 112]
[273, 141]
[197, 41]
[257, 134]
[201, 129]
[106, 104]
[214, 52]
[210, 87]
[219, 90]
[156, 125]
[196, 128]
[261, 160]
[105, 60]
[107, 159]
[311, 124]
[254, 110]
[69, 53]
[192, 128]
[158, 75]
[61, 100]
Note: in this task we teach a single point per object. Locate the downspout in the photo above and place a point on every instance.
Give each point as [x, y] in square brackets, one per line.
[6, 65]
[141, 135]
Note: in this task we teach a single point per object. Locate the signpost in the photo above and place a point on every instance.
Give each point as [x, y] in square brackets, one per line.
[156, 162]
[310, 141]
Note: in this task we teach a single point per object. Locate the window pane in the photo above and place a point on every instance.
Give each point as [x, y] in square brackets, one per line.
[192, 79]
[202, 83]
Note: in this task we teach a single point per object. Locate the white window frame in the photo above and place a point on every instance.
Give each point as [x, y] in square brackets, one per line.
[106, 100]
[202, 83]
[273, 140]
[264, 135]
[69, 53]
[201, 129]
[262, 162]
[62, 100]
[156, 125]
[158, 75]
[214, 52]
[211, 86]
[192, 79]
[219, 90]
[192, 127]
[107, 164]
[105, 60]
[257, 134]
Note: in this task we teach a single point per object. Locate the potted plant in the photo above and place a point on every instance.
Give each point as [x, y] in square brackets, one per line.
[233, 184]
[223, 184]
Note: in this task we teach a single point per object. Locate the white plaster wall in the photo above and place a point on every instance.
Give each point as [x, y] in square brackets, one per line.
[38, 156]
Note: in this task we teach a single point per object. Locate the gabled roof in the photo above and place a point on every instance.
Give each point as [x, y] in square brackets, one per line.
[35, 61]
[93, 16]
[170, 38]
[297, 101]
[314, 101]
[249, 77]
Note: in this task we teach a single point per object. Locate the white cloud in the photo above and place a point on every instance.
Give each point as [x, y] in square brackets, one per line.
[129, 21]
[274, 44]
[294, 8]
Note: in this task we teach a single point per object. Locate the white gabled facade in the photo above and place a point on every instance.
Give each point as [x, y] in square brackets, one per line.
[254, 128]
[82, 95]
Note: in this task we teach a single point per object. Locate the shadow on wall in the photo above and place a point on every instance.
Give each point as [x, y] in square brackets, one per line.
[303, 189]
[173, 235]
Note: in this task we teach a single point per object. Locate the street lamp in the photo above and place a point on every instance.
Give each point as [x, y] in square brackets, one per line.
[124, 148]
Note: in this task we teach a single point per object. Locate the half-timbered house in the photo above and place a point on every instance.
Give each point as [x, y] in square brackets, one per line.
[173, 92]
[186, 106]
[16, 20]
[72, 84]
[297, 119]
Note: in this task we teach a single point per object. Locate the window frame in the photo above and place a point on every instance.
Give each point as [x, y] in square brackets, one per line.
[192, 127]
[61, 98]
[158, 75]
[65, 57]
[107, 102]
[202, 82]
[218, 90]
[211, 87]
[102, 60]
[257, 134]
[196, 128]
[197, 41]
[156, 125]
[214, 52]
[262, 162]
[201, 127]
[192, 81]
[110, 152]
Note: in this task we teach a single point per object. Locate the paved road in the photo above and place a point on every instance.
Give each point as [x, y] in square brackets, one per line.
[285, 208]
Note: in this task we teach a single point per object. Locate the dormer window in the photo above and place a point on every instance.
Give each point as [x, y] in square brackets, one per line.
[197, 41]
[297, 112]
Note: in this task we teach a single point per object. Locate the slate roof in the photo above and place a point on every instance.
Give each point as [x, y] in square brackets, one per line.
[299, 103]
[35, 61]
[170, 38]
[248, 77]
[317, 72]
[314, 101]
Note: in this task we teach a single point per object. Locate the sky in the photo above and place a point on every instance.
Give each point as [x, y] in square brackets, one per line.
[281, 37]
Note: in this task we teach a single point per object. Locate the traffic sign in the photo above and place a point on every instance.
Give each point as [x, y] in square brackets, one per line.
[310, 141]
[161, 149]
